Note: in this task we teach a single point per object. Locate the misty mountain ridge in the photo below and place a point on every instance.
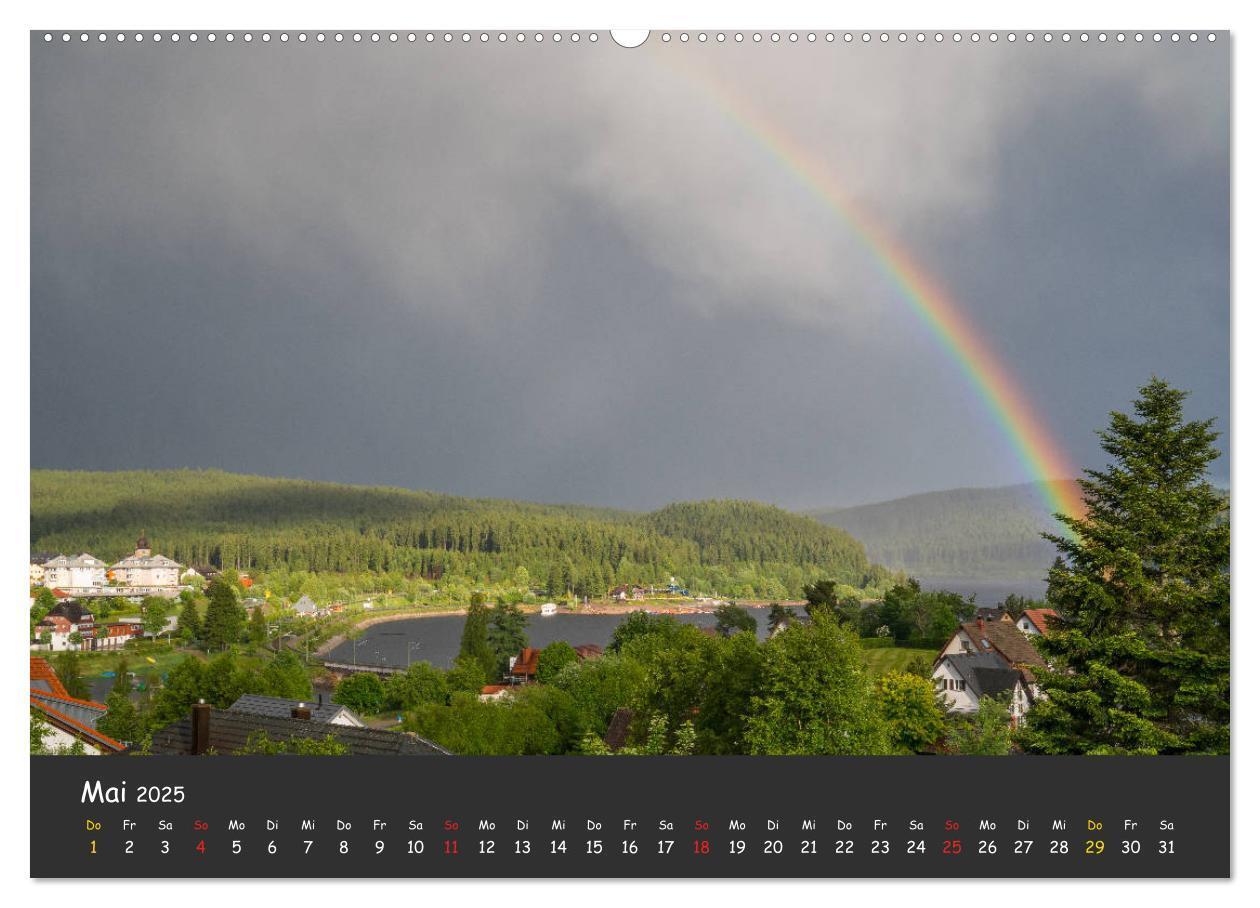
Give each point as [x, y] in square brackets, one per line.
[992, 533]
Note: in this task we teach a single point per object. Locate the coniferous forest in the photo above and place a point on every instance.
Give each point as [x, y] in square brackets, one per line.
[253, 523]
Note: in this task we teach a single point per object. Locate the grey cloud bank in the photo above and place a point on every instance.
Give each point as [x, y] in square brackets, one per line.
[564, 273]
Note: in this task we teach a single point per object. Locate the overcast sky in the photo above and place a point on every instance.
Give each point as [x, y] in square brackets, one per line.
[565, 273]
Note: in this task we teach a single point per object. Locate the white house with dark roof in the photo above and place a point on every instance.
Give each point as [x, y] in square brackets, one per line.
[964, 678]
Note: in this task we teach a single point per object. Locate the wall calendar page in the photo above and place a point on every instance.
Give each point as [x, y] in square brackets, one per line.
[708, 453]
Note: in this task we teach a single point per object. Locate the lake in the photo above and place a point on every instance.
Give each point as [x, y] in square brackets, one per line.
[436, 640]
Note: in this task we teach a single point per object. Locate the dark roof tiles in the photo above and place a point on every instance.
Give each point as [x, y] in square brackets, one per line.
[230, 732]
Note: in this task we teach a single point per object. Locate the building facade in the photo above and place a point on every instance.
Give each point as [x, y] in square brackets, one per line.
[144, 569]
[82, 572]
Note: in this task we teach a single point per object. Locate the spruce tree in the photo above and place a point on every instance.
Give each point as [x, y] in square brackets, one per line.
[122, 721]
[189, 623]
[474, 643]
[507, 633]
[1140, 652]
[225, 618]
[258, 627]
[122, 682]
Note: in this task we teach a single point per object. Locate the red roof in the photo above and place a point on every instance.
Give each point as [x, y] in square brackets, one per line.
[42, 671]
[495, 688]
[71, 725]
[526, 664]
[60, 593]
[1038, 617]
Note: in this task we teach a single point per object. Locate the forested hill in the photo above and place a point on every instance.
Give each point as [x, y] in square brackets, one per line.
[283, 525]
[991, 533]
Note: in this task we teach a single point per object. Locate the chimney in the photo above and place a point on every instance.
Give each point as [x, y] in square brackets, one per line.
[301, 711]
[200, 727]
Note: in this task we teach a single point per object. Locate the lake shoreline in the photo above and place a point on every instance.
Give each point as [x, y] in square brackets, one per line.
[590, 608]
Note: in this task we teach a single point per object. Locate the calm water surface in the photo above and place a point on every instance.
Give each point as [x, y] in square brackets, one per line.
[436, 640]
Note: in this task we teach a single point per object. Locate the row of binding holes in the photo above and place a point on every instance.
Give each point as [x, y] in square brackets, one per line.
[340, 37]
[576, 37]
[937, 37]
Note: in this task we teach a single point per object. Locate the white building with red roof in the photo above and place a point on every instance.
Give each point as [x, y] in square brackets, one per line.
[1035, 622]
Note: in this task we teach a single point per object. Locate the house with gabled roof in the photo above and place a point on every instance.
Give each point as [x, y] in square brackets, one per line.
[1001, 637]
[207, 730]
[306, 607]
[523, 666]
[988, 658]
[81, 572]
[320, 710]
[1036, 622]
[964, 678]
[143, 570]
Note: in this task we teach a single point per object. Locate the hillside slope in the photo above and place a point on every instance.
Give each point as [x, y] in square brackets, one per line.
[264, 524]
[992, 533]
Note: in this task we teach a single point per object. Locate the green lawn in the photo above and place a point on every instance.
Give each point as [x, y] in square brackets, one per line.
[139, 653]
[882, 661]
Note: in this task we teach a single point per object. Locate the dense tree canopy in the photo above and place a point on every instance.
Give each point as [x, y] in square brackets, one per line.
[286, 526]
[1140, 653]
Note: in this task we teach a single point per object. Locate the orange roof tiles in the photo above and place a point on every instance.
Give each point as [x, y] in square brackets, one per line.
[42, 671]
[74, 726]
[526, 663]
[1039, 616]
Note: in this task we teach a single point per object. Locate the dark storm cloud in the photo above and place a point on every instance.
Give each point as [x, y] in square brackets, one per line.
[566, 274]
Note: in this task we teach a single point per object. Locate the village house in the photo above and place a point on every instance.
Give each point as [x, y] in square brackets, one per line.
[62, 621]
[82, 573]
[207, 572]
[964, 678]
[588, 651]
[207, 730]
[192, 575]
[994, 613]
[38, 560]
[306, 607]
[57, 629]
[626, 592]
[523, 667]
[988, 658]
[494, 692]
[69, 719]
[323, 711]
[114, 636]
[144, 569]
[1035, 622]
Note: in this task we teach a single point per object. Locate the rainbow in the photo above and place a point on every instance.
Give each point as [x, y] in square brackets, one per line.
[1039, 454]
